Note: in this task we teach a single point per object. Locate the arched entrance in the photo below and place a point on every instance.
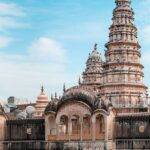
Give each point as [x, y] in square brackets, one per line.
[52, 125]
[100, 127]
[86, 128]
[86, 124]
[75, 124]
[63, 125]
[75, 127]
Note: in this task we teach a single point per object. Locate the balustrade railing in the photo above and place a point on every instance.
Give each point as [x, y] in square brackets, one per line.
[100, 136]
[73, 137]
[133, 144]
[86, 137]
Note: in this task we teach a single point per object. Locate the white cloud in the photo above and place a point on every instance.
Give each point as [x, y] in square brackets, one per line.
[4, 41]
[46, 48]
[22, 75]
[10, 14]
[10, 23]
[11, 9]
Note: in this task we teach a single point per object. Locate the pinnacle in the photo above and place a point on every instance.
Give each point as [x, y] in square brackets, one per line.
[95, 46]
[42, 90]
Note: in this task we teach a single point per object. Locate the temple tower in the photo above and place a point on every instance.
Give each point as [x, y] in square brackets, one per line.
[93, 72]
[41, 103]
[122, 75]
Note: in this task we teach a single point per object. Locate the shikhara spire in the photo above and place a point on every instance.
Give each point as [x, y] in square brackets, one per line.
[123, 28]
[110, 100]
[123, 76]
[92, 73]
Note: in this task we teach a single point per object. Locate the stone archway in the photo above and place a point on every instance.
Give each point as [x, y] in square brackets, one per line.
[100, 126]
[75, 122]
[52, 125]
[86, 124]
[63, 125]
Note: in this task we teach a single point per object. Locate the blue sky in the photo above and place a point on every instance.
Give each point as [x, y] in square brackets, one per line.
[46, 42]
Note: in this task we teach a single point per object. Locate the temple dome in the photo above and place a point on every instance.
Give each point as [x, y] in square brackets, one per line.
[78, 93]
[94, 68]
[41, 103]
[95, 55]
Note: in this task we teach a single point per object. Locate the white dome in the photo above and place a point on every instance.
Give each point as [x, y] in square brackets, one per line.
[30, 109]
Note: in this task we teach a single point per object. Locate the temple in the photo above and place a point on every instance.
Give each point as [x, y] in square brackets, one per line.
[107, 110]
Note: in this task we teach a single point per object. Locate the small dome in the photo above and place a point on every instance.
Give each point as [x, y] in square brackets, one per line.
[30, 109]
[78, 93]
[42, 95]
[95, 55]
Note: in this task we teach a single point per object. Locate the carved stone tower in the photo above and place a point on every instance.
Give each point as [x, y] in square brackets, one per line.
[122, 75]
[93, 72]
[41, 103]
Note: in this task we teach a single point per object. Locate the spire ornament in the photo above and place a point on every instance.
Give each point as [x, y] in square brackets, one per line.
[42, 89]
[64, 87]
[79, 81]
[51, 96]
[95, 47]
[55, 95]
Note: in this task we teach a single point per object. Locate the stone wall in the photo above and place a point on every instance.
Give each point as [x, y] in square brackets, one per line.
[28, 129]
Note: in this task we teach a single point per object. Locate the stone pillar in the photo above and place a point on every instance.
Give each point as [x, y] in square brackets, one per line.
[69, 128]
[93, 129]
[57, 131]
[46, 128]
[81, 128]
[106, 133]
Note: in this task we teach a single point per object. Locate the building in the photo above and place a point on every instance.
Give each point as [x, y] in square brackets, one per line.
[108, 110]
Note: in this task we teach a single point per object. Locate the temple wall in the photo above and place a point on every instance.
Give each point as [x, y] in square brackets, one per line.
[2, 130]
[41, 145]
[29, 129]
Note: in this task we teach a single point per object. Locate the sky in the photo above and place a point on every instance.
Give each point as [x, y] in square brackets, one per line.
[47, 42]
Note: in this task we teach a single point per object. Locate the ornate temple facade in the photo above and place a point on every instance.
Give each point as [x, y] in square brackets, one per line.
[108, 110]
